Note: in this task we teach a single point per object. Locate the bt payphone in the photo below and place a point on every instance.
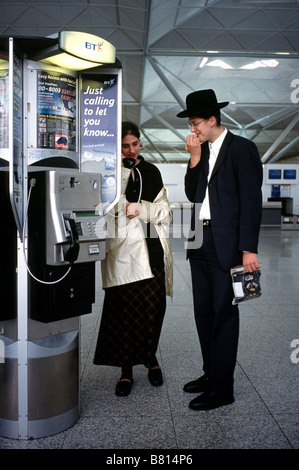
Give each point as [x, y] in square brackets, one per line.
[66, 236]
[63, 173]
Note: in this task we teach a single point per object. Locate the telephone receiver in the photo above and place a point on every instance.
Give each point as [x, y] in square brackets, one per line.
[129, 162]
[71, 253]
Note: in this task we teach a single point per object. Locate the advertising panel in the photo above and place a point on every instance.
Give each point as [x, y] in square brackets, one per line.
[52, 116]
[56, 111]
[18, 138]
[99, 127]
[4, 96]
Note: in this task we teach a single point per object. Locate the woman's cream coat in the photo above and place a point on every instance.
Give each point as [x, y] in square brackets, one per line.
[127, 259]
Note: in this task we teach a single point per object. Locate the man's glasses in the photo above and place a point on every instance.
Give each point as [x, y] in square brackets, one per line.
[194, 125]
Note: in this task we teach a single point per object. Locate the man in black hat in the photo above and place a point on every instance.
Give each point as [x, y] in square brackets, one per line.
[223, 179]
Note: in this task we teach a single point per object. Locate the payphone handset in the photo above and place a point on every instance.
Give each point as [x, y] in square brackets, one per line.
[72, 251]
[74, 225]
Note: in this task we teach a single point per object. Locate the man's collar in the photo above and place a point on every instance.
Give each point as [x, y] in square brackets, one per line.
[218, 142]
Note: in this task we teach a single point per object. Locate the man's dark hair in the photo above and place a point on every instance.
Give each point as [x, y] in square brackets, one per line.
[215, 112]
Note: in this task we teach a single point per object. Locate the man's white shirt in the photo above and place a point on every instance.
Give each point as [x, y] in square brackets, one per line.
[214, 147]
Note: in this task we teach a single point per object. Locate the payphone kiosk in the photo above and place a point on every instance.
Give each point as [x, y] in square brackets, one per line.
[66, 236]
[59, 146]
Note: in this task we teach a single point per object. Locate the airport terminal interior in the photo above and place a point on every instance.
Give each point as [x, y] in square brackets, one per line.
[248, 52]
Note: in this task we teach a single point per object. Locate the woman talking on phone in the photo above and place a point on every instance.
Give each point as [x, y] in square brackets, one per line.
[137, 271]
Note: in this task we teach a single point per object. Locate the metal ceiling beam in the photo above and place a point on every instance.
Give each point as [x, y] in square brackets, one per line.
[166, 82]
[281, 118]
[154, 146]
[235, 105]
[283, 151]
[269, 152]
[202, 53]
[165, 123]
[275, 144]
[144, 52]
[263, 118]
[239, 126]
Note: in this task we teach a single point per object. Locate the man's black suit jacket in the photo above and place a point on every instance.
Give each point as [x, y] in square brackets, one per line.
[235, 197]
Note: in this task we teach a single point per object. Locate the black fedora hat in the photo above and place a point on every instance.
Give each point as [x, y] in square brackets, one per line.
[201, 102]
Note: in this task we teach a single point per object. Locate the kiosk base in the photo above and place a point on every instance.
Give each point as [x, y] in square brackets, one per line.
[53, 386]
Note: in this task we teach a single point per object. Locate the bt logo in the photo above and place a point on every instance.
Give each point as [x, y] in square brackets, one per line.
[94, 47]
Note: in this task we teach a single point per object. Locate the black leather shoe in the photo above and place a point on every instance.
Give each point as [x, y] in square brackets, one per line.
[197, 386]
[123, 387]
[206, 401]
[155, 376]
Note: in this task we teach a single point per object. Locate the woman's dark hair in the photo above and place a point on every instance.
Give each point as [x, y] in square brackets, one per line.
[129, 128]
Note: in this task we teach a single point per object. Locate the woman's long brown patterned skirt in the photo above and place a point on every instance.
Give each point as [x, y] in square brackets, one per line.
[131, 323]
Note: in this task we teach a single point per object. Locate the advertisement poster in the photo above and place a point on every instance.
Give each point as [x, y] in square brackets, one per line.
[4, 96]
[56, 111]
[18, 137]
[99, 131]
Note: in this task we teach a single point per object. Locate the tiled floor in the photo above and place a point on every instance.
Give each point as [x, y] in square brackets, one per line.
[265, 414]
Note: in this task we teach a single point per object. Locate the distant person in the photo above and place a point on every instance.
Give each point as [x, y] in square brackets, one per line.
[133, 273]
[223, 179]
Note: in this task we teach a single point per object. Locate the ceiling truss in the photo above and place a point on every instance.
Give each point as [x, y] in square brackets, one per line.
[247, 51]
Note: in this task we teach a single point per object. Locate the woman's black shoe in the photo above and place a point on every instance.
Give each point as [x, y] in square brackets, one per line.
[123, 387]
[155, 376]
